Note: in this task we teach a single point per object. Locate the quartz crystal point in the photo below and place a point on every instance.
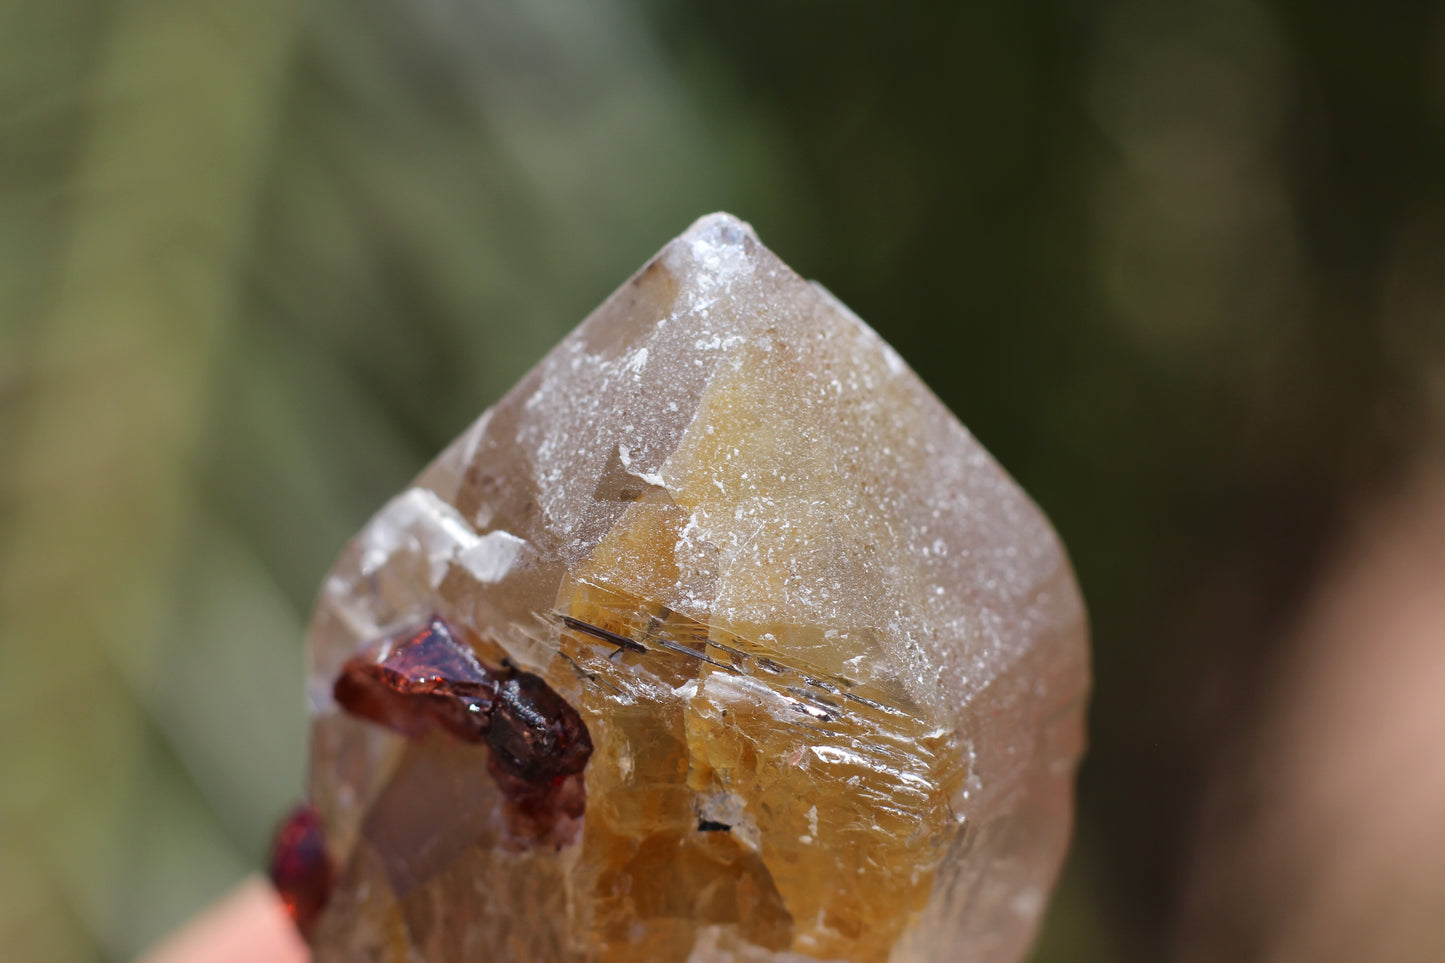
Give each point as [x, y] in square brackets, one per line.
[717, 638]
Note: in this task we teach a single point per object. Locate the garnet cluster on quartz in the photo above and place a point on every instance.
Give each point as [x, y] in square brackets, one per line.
[427, 678]
[717, 639]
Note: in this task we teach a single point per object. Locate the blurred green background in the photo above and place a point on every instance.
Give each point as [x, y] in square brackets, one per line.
[1180, 266]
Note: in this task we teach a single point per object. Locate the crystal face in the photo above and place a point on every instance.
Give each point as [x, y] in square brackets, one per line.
[717, 638]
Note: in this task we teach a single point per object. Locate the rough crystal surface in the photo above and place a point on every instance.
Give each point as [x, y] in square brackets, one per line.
[829, 660]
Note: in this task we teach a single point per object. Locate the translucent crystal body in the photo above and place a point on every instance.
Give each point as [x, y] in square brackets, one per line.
[830, 659]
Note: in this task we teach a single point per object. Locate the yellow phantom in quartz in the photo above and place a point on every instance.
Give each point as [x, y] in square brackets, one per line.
[831, 660]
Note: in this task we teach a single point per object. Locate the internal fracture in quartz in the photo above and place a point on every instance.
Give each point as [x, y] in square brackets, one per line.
[717, 638]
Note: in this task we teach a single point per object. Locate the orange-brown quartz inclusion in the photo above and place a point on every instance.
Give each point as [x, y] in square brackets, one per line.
[837, 809]
[830, 658]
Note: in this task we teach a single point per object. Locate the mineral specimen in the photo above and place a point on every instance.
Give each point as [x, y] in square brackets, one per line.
[717, 638]
[301, 868]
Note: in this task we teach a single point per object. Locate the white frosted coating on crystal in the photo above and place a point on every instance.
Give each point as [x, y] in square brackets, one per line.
[492, 557]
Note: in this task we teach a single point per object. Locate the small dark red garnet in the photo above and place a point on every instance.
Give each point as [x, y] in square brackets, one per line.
[426, 678]
[301, 868]
[420, 680]
[535, 735]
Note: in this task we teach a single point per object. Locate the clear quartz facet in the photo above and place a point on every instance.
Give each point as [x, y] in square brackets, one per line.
[831, 659]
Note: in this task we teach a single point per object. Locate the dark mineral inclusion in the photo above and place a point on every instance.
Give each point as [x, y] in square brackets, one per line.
[424, 680]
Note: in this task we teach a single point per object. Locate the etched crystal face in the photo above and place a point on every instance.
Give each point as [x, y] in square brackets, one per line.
[717, 638]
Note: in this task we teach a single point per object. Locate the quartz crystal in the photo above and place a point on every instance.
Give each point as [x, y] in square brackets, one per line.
[717, 638]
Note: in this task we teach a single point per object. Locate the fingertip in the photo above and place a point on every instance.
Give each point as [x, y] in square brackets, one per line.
[249, 926]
